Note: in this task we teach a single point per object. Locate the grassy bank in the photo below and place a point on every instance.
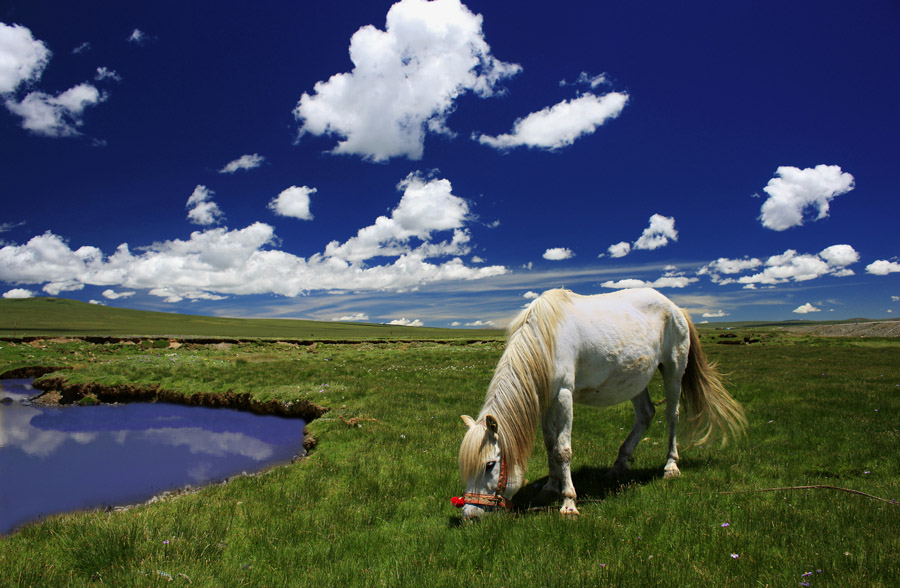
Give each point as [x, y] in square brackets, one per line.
[370, 506]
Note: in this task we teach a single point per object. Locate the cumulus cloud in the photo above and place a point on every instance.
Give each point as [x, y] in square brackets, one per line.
[293, 202]
[670, 279]
[619, 249]
[22, 57]
[716, 314]
[405, 322]
[404, 82]
[883, 267]
[201, 209]
[18, 293]
[217, 262]
[658, 234]
[558, 254]
[786, 267]
[55, 116]
[795, 190]
[806, 309]
[661, 229]
[358, 317]
[244, 162]
[427, 206]
[530, 295]
[482, 324]
[113, 295]
[560, 125]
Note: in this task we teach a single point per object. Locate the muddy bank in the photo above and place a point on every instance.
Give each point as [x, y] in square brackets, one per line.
[58, 390]
[34, 371]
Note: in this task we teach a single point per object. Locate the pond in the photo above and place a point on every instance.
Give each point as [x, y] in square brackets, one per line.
[60, 459]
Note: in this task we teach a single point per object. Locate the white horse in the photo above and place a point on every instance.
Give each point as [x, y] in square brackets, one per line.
[599, 350]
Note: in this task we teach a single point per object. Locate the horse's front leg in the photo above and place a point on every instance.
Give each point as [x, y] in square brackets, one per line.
[563, 453]
[552, 488]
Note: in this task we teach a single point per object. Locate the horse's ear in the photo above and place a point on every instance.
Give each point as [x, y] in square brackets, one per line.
[469, 422]
[491, 423]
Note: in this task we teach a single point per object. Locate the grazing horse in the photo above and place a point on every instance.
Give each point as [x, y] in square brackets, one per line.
[599, 350]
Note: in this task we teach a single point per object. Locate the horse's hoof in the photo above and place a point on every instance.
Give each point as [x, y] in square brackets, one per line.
[671, 474]
[569, 512]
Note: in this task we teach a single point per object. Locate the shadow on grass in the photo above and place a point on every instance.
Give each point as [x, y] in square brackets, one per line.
[591, 483]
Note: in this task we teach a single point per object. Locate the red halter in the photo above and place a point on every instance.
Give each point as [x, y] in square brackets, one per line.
[487, 500]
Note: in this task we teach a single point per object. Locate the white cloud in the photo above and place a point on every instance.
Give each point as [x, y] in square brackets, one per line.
[427, 206]
[55, 116]
[806, 309]
[724, 265]
[793, 190]
[82, 48]
[405, 322]
[22, 57]
[588, 79]
[358, 317]
[201, 209]
[560, 125]
[18, 293]
[293, 202]
[113, 295]
[244, 162]
[716, 314]
[802, 267]
[895, 298]
[619, 249]
[558, 254]
[883, 267]
[479, 324]
[217, 262]
[661, 229]
[104, 73]
[531, 295]
[138, 37]
[663, 282]
[404, 82]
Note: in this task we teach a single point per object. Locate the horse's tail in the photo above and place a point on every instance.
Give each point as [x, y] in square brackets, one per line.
[709, 406]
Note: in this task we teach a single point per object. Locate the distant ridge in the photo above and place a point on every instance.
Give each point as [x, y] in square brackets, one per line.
[38, 317]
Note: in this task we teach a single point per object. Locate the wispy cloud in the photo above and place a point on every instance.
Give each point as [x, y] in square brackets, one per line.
[559, 125]
[244, 162]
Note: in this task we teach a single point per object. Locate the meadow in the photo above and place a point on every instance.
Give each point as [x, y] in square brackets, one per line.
[370, 505]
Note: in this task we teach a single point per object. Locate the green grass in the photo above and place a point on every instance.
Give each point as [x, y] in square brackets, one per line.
[39, 317]
[370, 506]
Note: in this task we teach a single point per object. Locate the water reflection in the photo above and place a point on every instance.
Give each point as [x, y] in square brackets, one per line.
[62, 459]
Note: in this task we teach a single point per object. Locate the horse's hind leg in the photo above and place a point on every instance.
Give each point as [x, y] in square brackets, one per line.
[672, 385]
[643, 414]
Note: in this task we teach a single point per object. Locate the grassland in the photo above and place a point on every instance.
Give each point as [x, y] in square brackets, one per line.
[40, 317]
[370, 506]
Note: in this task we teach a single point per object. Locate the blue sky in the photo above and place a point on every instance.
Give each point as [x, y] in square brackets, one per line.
[439, 163]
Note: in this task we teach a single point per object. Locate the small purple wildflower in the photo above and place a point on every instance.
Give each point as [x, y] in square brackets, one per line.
[804, 583]
[726, 524]
[806, 574]
[735, 555]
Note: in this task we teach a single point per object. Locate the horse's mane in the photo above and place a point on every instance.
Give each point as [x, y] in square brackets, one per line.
[520, 389]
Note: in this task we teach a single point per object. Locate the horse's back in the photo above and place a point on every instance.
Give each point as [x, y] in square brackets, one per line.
[612, 344]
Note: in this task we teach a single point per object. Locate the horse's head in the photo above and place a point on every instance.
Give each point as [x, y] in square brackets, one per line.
[490, 480]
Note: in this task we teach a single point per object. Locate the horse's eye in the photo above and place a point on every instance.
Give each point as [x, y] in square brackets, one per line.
[489, 465]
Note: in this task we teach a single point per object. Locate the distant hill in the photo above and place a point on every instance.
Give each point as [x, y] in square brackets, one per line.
[64, 317]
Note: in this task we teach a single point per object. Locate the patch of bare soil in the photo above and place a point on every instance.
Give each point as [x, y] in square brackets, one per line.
[874, 329]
